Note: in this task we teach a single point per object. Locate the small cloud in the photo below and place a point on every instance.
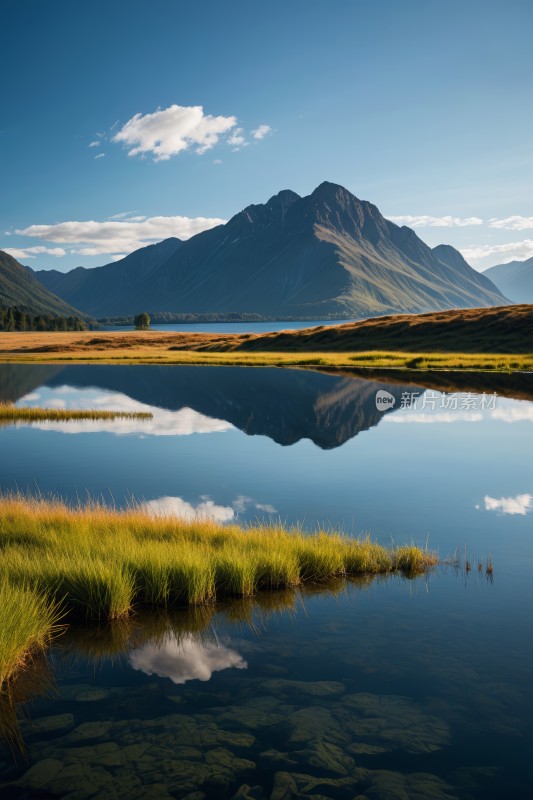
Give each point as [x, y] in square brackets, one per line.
[237, 139]
[169, 131]
[261, 131]
[31, 252]
[521, 504]
[100, 155]
[426, 221]
[95, 143]
[512, 251]
[515, 223]
[217, 161]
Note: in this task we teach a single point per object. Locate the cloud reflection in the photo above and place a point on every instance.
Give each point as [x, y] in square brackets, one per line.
[178, 507]
[183, 422]
[520, 504]
[185, 660]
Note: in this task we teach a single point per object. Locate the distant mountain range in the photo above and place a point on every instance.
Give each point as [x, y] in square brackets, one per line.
[19, 287]
[514, 280]
[324, 255]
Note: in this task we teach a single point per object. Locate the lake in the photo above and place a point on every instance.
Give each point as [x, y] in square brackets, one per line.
[376, 689]
[232, 327]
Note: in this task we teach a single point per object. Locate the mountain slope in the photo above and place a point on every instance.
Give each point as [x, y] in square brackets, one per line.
[100, 290]
[324, 255]
[514, 279]
[19, 287]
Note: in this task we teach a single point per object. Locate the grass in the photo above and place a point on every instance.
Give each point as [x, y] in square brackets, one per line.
[28, 621]
[10, 414]
[396, 360]
[98, 563]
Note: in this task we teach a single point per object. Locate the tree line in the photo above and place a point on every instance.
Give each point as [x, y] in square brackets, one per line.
[14, 319]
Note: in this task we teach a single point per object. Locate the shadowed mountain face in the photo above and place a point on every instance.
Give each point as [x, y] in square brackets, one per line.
[285, 405]
[514, 279]
[102, 289]
[19, 287]
[324, 255]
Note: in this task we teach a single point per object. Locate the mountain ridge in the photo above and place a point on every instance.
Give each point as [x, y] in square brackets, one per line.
[325, 254]
[515, 278]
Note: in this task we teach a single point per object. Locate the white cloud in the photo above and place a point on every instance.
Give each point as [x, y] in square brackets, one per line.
[96, 143]
[237, 139]
[261, 131]
[100, 155]
[117, 236]
[169, 131]
[217, 161]
[426, 221]
[185, 659]
[31, 252]
[515, 223]
[521, 504]
[178, 507]
[512, 251]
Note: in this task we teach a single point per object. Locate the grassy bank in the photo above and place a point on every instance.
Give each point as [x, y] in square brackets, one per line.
[98, 563]
[10, 414]
[488, 339]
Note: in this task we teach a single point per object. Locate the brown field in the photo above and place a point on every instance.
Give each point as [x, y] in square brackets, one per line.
[485, 339]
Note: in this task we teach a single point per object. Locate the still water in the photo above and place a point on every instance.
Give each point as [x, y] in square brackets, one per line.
[233, 327]
[370, 689]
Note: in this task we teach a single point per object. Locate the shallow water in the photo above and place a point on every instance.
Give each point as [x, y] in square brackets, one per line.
[377, 689]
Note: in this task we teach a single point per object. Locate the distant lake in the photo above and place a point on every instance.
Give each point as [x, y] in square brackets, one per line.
[232, 327]
[379, 689]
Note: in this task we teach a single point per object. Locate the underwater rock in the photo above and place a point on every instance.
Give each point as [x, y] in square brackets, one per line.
[41, 774]
[324, 755]
[246, 792]
[311, 688]
[90, 730]
[57, 722]
[391, 722]
[277, 758]
[314, 724]
[284, 787]
[91, 695]
[386, 785]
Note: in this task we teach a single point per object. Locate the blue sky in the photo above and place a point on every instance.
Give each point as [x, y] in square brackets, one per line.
[197, 110]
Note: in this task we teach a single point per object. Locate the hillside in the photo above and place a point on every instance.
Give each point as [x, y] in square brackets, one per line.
[514, 279]
[19, 287]
[101, 290]
[324, 255]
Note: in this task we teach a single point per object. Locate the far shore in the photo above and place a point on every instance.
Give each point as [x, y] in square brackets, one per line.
[489, 339]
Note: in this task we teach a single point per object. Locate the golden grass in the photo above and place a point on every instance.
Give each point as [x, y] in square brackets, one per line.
[10, 414]
[101, 563]
[398, 360]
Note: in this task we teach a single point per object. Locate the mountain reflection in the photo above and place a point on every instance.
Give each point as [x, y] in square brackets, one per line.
[285, 405]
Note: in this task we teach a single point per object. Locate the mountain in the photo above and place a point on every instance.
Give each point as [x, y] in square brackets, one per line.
[324, 255]
[101, 290]
[514, 279]
[19, 287]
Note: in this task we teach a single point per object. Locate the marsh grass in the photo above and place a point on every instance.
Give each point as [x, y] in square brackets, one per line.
[102, 562]
[28, 621]
[11, 415]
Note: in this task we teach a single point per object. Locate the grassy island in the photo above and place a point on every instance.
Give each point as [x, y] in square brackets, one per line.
[98, 563]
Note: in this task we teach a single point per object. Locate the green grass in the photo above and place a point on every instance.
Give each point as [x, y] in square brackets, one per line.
[101, 563]
[11, 415]
[28, 620]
